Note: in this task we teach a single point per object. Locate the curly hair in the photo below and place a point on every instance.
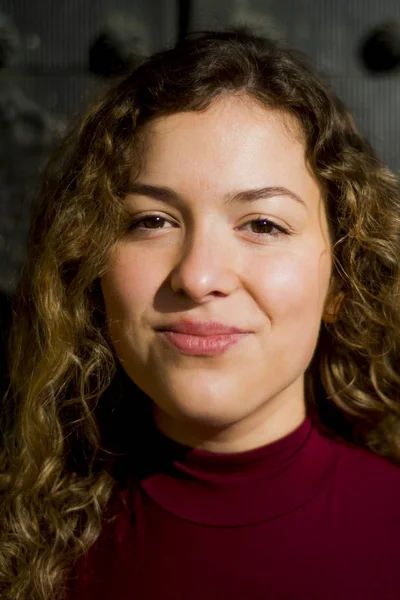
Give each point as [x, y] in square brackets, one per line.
[63, 446]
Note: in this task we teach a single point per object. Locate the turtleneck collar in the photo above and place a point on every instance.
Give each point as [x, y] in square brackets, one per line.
[241, 488]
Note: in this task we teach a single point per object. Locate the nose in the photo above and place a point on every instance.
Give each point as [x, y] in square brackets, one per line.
[206, 267]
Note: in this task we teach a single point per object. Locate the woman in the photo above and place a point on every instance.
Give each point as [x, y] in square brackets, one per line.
[203, 358]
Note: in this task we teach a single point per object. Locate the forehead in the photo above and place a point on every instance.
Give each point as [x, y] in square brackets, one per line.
[231, 120]
[231, 125]
[234, 144]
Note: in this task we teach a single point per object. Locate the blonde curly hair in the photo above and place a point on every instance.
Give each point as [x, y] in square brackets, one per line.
[61, 459]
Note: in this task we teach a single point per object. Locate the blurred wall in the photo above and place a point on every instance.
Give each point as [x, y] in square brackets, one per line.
[45, 86]
[48, 80]
[329, 32]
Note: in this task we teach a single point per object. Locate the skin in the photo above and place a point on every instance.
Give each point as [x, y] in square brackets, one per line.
[210, 260]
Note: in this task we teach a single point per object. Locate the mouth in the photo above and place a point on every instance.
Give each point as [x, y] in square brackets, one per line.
[201, 345]
[196, 327]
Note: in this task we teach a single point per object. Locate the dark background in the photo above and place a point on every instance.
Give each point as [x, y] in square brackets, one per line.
[54, 56]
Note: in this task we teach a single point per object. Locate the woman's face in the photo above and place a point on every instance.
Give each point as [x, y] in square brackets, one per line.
[260, 262]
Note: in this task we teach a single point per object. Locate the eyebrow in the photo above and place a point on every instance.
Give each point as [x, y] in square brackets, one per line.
[166, 194]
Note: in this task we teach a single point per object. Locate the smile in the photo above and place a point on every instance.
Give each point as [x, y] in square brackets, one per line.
[201, 345]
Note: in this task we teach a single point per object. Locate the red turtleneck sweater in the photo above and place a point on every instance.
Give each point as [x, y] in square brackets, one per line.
[305, 517]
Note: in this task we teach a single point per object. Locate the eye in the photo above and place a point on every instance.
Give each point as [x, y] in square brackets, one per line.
[148, 223]
[266, 227]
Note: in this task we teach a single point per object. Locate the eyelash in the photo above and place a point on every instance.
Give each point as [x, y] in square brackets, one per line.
[279, 230]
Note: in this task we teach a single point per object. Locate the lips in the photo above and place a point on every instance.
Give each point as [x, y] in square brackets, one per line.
[202, 328]
[202, 345]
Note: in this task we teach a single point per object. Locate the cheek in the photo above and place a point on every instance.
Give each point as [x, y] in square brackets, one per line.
[130, 284]
[292, 285]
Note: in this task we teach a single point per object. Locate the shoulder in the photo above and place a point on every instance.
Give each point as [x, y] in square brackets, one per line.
[361, 507]
[366, 476]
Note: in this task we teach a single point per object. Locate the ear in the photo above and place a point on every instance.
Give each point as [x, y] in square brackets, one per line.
[332, 306]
